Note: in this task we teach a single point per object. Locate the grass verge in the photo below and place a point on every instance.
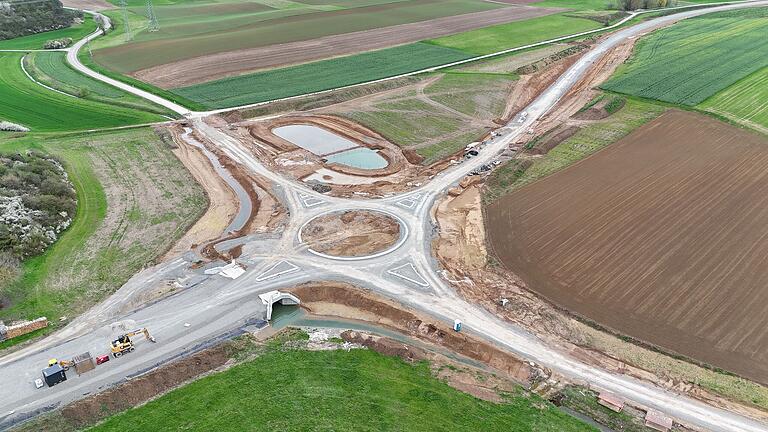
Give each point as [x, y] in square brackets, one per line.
[40, 109]
[52, 69]
[134, 199]
[37, 40]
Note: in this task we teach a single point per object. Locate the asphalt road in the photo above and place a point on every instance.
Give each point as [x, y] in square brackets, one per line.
[211, 306]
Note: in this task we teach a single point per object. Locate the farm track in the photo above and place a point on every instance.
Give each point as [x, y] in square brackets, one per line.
[211, 67]
[662, 236]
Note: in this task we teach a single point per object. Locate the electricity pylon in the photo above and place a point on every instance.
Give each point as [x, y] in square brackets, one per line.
[153, 24]
[128, 35]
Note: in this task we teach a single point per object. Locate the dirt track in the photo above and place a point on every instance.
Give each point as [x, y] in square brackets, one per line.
[215, 66]
[661, 236]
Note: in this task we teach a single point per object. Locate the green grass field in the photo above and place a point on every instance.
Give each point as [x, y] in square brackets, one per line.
[191, 29]
[504, 36]
[134, 199]
[27, 103]
[745, 100]
[360, 390]
[36, 41]
[454, 110]
[318, 76]
[696, 58]
[52, 69]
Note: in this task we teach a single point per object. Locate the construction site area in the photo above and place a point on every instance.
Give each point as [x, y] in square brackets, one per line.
[500, 238]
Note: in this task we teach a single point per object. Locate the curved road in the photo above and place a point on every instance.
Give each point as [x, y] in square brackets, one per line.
[212, 306]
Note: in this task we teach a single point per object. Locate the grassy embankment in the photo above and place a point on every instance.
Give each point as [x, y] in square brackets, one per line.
[52, 69]
[134, 199]
[451, 112]
[36, 41]
[715, 63]
[28, 103]
[335, 390]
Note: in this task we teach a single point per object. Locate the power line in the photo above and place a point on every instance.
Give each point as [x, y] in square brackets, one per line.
[153, 24]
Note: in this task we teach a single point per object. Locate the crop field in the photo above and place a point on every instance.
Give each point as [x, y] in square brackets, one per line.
[36, 41]
[746, 100]
[191, 30]
[504, 36]
[662, 236]
[318, 76]
[26, 102]
[696, 58]
[52, 69]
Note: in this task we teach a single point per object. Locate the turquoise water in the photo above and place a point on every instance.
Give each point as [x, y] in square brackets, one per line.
[361, 157]
[313, 138]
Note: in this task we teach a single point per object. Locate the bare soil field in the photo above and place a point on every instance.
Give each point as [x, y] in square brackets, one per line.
[661, 236]
[94, 5]
[351, 233]
[219, 65]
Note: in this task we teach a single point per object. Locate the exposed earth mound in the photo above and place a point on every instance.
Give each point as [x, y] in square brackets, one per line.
[352, 233]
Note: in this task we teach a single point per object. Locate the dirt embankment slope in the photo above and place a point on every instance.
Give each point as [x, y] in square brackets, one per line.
[210, 67]
[342, 300]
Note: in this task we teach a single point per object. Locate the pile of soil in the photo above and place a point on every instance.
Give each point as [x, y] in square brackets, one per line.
[351, 233]
[599, 110]
[136, 391]
[553, 139]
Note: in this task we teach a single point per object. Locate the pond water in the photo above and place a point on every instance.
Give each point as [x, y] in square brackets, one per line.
[361, 157]
[313, 138]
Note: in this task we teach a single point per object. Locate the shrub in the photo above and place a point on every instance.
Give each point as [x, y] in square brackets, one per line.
[37, 203]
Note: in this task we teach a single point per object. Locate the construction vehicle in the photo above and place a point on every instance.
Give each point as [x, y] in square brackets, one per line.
[124, 344]
[65, 364]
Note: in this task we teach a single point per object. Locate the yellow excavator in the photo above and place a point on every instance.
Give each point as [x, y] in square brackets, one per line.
[65, 364]
[124, 344]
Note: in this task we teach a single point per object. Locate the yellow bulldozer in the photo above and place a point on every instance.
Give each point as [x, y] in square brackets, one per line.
[124, 344]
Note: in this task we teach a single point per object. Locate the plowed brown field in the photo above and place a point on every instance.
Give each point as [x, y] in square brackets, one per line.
[213, 66]
[662, 236]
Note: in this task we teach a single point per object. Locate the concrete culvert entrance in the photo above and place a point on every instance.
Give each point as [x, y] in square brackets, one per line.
[270, 298]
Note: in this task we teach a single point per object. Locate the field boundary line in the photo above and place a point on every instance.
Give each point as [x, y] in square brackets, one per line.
[629, 17]
[23, 69]
[184, 111]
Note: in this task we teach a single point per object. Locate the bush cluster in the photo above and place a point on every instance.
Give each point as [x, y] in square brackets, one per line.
[58, 43]
[37, 203]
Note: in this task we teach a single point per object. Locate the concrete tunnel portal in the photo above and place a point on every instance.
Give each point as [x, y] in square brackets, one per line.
[272, 297]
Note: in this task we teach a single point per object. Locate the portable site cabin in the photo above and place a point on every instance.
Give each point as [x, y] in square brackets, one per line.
[54, 374]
